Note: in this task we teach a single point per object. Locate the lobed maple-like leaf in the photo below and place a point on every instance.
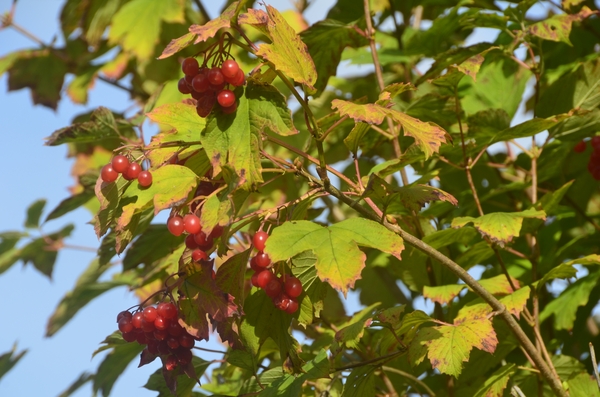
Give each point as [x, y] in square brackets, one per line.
[558, 27]
[339, 260]
[449, 346]
[287, 52]
[210, 29]
[478, 309]
[500, 227]
[495, 384]
[443, 294]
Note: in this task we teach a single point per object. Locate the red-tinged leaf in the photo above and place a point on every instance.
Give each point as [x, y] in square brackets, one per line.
[41, 71]
[414, 197]
[448, 346]
[255, 18]
[287, 51]
[177, 45]
[478, 309]
[339, 260]
[391, 315]
[183, 385]
[229, 332]
[558, 27]
[499, 285]
[146, 358]
[500, 227]
[204, 297]
[443, 294]
[210, 29]
[108, 195]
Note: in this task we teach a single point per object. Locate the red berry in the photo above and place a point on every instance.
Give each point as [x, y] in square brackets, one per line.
[595, 142]
[200, 83]
[172, 342]
[580, 147]
[282, 301]
[183, 86]
[175, 329]
[215, 76]
[132, 171]
[190, 66]
[186, 341]
[148, 326]
[264, 277]
[160, 334]
[141, 338]
[254, 266]
[273, 288]
[191, 223]
[292, 307]
[160, 323]
[230, 109]
[129, 336]
[124, 314]
[254, 279]
[184, 356]
[204, 242]
[190, 242]
[150, 314]
[137, 319]
[216, 232]
[145, 178]
[108, 173]
[170, 363]
[120, 163]
[125, 325]
[153, 347]
[262, 259]
[259, 240]
[226, 98]
[199, 255]
[293, 287]
[205, 105]
[175, 225]
[238, 80]
[229, 68]
[167, 310]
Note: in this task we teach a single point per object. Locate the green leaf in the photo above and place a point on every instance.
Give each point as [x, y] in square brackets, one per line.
[287, 52]
[86, 289]
[10, 359]
[495, 384]
[558, 27]
[443, 294]
[360, 382]
[114, 365]
[185, 384]
[478, 309]
[443, 238]
[583, 385]
[102, 125]
[42, 251]
[43, 72]
[455, 56]
[34, 212]
[154, 243]
[339, 261]
[349, 333]
[579, 88]
[564, 271]
[500, 227]
[304, 269]
[71, 203]
[136, 26]
[231, 276]
[529, 128]
[235, 139]
[354, 138]
[448, 346]
[171, 186]
[81, 84]
[469, 67]
[326, 41]
[182, 117]
[84, 378]
[564, 308]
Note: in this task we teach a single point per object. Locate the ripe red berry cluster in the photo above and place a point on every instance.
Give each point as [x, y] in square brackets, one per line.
[130, 171]
[594, 162]
[158, 329]
[197, 241]
[211, 85]
[282, 290]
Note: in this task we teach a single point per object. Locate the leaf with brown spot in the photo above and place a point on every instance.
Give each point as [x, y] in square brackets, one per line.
[443, 294]
[478, 309]
[258, 19]
[177, 45]
[449, 346]
[558, 27]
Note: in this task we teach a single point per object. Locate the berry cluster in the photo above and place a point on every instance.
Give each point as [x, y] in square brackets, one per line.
[158, 329]
[594, 162]
[130, 171]
[197, 241]
[208, 85]
[282, 290]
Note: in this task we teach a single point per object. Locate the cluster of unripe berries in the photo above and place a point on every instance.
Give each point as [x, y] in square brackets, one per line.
[594, 162]
[209, 86]
[196, 240]
[158, 329]
[121, 165]
[283, 290]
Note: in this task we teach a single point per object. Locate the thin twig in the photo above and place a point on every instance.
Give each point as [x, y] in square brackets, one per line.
[411, 377]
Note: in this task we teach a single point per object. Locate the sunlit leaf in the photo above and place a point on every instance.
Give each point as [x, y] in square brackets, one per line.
[34, 212]
[558, 27]
[10, 359]
[443, 294]
[210, 29]
[495, 384]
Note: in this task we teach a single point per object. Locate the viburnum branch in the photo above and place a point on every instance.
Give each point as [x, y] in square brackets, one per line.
[490, 299]
[410, 377]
